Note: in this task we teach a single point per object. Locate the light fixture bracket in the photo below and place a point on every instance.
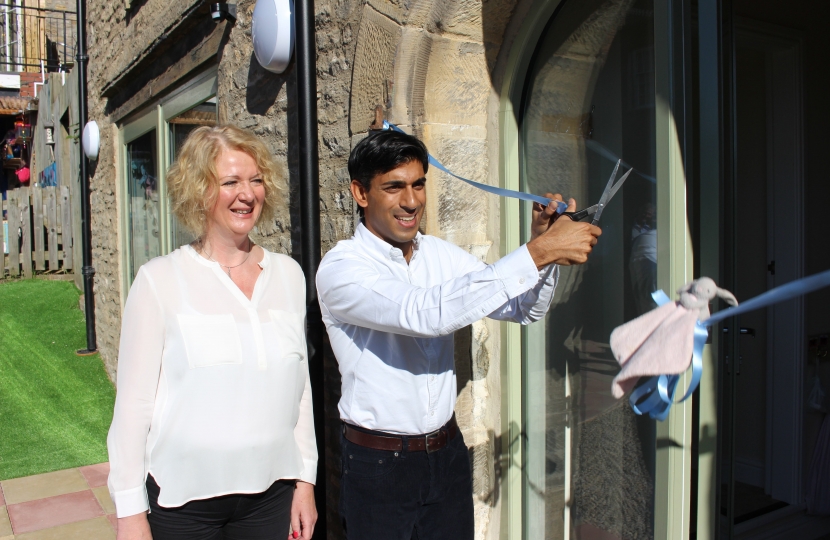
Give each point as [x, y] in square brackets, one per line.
[223, 11]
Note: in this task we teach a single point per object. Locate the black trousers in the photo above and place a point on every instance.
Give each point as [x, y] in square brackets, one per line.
[257, 516]
[407, 495]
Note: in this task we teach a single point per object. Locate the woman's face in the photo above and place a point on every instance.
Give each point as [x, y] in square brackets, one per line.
[241, 194]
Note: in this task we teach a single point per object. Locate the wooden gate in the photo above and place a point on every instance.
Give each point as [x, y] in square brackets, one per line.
[37, 232]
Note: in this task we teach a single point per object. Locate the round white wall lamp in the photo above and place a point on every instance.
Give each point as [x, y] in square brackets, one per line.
[273, 33]
[91, 140]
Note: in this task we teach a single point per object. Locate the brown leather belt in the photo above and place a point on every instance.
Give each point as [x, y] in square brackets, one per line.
[429, 442]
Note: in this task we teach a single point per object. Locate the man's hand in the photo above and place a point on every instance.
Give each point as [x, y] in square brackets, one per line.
[564, 241]
[544, 216]
[134, 527]
[303, 512]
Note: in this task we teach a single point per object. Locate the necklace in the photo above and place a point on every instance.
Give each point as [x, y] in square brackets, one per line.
[228, 271]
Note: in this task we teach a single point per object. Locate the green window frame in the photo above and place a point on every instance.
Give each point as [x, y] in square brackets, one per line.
[156, 116]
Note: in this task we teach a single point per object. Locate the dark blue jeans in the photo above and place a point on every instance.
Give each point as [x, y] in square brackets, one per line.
[406, 495]
[257, 516]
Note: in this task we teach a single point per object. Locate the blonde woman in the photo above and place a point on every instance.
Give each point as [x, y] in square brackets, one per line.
[212, 435]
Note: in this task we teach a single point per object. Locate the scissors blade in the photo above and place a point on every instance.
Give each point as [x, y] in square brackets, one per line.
[619, 184]
[610, 190]
[606, 195]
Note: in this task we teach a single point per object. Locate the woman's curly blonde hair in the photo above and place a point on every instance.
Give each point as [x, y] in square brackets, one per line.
[192, 182]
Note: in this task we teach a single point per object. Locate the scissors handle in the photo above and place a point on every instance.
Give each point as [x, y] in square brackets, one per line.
[582, 214]
[578, 216]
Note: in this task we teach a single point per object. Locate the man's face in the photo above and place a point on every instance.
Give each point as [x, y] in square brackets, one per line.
[394, 204]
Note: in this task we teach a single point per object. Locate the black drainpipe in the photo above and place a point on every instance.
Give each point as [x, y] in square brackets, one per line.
[86, 228]
[310, 233]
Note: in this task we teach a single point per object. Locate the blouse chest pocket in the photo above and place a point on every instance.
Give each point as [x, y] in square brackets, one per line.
[290, 333]
[210, 340]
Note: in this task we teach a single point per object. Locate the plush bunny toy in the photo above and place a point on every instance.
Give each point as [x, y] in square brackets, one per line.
[661, 341]
[698, 293]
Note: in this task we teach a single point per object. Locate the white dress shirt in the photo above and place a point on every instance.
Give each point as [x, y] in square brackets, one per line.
[213, 389]
[391, 323]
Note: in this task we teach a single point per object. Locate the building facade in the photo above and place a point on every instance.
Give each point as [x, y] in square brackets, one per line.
[539, 95]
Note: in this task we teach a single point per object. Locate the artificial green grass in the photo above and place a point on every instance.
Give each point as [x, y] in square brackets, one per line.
[55, 407]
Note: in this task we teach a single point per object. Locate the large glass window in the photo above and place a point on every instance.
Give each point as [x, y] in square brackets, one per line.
[589, 101]
[143, 193]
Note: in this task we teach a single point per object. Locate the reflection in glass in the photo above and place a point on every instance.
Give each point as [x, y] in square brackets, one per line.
[181, 126]
[142, 184]
[589, 101]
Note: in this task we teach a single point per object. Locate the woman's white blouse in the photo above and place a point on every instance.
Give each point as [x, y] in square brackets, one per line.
[213, 389]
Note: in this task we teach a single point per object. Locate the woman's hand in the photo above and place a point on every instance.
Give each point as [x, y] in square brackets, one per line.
[303, 512]
[135, 528]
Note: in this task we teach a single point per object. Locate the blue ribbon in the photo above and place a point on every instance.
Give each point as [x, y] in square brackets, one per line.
[656, 396]
[521, 195]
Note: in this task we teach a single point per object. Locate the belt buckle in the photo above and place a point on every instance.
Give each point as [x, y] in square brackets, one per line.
[429, 436]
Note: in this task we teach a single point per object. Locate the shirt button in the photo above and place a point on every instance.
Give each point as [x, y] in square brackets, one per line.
[432, 377]
[432, 413]
[522, 280]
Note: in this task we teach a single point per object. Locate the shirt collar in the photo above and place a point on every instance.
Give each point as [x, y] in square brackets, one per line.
[380, 246]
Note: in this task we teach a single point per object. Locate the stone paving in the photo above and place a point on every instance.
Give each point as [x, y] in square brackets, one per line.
[61, 505]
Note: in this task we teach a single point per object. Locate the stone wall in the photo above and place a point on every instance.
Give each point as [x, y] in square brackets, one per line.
[106, 22]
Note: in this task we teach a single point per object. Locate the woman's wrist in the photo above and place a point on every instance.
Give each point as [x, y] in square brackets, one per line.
[135, 527]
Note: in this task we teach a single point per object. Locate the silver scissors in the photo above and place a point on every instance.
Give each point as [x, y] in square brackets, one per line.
[610, 190]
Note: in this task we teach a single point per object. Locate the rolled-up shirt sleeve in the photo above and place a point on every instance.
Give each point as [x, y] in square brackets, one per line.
[535, 303]
[355, 292]
[139, 365]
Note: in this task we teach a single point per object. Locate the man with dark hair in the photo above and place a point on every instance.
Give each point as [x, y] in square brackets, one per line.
[391, 299]
[382, 152]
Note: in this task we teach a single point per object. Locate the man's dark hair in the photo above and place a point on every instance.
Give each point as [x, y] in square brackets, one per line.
[383, 151]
